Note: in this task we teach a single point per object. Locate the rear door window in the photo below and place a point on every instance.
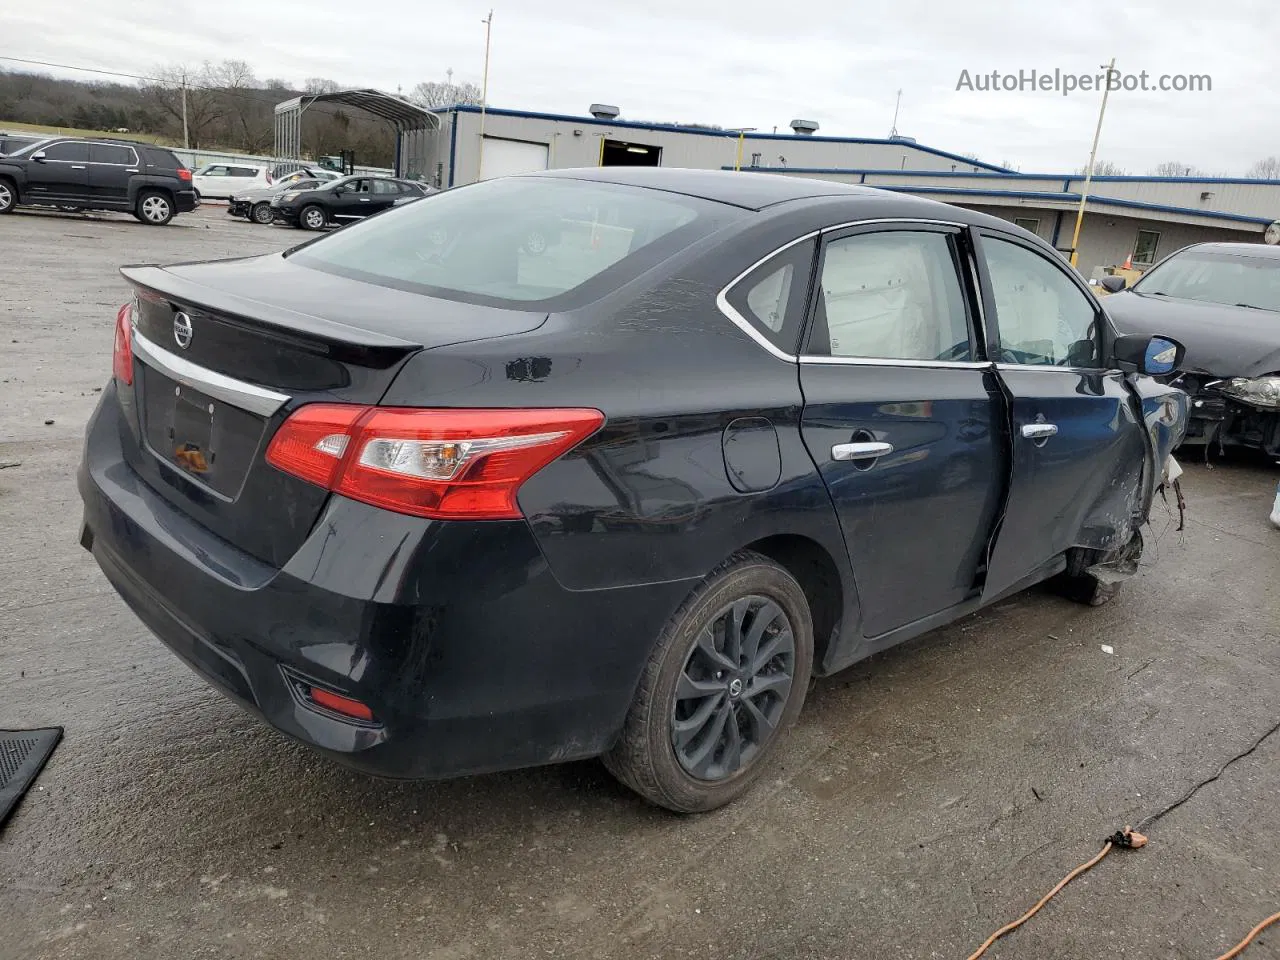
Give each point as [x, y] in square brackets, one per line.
[112, 154]
[386, 188]
[519, 240]
[243, 171]
[891, 295]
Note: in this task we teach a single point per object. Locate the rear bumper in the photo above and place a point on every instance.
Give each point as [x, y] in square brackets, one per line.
[470, 654]
[185, 201]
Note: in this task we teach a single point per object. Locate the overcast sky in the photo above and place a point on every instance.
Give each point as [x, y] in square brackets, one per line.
[757, 63]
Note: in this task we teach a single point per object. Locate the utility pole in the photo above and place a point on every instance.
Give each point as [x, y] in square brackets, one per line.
[484, 89]
[893, 131]
[186, 137]
[1088, 173]
[742, 136]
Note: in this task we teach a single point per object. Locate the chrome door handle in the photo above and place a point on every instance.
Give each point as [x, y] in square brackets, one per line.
[1039, 431]
[131, 170]
[860, 451]
[77, 166]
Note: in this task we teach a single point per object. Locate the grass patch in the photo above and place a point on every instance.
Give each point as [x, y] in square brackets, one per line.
[13, 127]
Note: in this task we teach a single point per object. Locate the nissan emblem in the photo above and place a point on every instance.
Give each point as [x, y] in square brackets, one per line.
[182, 330]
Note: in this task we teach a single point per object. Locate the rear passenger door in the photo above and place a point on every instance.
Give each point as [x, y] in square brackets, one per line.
[385, 194]
[1078, 445]
[903, 417]
[62, 173]
[111, 167]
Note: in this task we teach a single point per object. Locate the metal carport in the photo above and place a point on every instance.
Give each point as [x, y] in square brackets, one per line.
[408, 119]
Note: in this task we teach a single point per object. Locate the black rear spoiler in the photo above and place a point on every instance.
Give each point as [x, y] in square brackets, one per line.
[170, 286]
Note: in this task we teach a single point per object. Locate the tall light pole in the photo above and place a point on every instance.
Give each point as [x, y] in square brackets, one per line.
[1088, 173]
[484, 89]
[893, 130]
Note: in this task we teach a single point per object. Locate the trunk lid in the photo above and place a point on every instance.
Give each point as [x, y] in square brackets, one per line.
[223, 352]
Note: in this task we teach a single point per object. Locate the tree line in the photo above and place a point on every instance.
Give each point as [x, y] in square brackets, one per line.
[227, 108]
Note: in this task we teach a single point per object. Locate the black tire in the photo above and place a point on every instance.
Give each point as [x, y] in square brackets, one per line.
[154, 208]
[646, 757]
[1078, 584]
[261, 213]
[312, 217]
[8, 196]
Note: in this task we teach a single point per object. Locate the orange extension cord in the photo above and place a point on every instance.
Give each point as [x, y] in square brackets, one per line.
[1126, 839]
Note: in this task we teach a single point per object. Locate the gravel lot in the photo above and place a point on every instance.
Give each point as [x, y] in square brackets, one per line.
[929, 795]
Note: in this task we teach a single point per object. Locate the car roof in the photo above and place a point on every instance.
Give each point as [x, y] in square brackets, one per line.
[760, 191]
[1239, 249]
[755, 191]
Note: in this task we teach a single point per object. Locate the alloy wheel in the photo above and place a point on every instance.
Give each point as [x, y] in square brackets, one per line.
[155, 209]
[314, 219]
[733, 689]
[6, 196]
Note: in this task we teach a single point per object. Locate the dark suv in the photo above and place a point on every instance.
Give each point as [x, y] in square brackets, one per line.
[149, 182]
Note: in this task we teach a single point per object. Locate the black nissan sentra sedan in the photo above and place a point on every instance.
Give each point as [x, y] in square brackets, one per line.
[436, 504]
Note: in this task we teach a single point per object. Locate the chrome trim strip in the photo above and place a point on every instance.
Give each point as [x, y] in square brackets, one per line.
[1050, 368]
[246, 396]
[741, 322]
[920, 364]
[903, 220]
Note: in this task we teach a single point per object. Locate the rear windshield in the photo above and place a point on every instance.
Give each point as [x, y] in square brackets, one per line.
[519, 240]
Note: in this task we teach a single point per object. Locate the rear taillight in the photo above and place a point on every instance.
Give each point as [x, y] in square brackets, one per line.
[122, 353]
[443, 464]
[184, 174]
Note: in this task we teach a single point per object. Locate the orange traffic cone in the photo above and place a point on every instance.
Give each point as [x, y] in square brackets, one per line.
[1128, 263]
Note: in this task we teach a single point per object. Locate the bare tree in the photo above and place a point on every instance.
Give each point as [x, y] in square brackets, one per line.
[320, 85]
[1103, 168]
[243, 104]
[1268, 169]
[433, 94]
[1176, 168]
[204, 107]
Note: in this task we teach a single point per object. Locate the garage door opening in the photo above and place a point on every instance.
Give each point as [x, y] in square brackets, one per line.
[615, 153]
[503, 158]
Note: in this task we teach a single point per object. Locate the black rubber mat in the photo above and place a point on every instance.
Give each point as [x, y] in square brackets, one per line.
[22, 754]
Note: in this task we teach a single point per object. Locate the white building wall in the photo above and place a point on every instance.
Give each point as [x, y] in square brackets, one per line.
[1105, 239]
[575, 142]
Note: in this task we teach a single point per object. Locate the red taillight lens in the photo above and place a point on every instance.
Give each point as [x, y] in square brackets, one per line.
[312, 443]
[443, 464]
[184, 174]
[122, 353]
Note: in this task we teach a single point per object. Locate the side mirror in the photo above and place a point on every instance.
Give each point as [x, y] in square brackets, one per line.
[38, 156]
[1154, 356]
[1113, 284]
[339, 190]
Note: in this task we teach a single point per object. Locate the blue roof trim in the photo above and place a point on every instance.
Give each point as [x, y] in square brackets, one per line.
[672, 128]
[1008, 173]
[1075, 198]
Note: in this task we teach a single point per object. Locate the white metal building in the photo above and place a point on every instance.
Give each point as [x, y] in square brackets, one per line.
[1140, 218]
